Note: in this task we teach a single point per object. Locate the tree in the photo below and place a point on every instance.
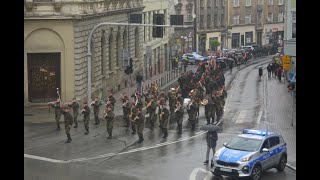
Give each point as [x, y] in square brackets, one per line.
[214, 44]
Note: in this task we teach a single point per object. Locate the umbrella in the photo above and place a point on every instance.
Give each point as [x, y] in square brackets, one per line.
[222, 64]
[210, 127]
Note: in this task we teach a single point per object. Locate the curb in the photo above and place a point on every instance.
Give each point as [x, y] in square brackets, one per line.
[291, 167]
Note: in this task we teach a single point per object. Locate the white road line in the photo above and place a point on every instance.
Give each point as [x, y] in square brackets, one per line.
[112, 154]
[259, 117]
[44, 158]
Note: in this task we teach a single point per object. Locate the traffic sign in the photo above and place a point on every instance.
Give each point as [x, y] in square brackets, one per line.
[286, 62]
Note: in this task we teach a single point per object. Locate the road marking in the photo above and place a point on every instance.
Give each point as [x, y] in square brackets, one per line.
[195, 171]
[112, 154]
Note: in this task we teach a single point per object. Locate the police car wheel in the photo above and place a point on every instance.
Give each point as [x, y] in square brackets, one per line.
[256, 173]
[282, 163]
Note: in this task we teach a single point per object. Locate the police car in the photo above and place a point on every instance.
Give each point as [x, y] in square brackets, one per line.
[249, 154]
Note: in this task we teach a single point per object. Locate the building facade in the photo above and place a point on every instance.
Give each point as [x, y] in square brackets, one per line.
[211, 24]
[290, 33]
[55, 43]
[255, 21]
[155, 50]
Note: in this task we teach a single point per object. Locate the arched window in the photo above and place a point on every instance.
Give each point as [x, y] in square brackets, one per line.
[103, 54]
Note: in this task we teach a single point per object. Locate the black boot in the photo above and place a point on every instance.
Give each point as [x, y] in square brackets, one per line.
[166, 133]
[133, 132]
[140, 140]
[206, 162]
[58, 128]
[110, 134]
[193, 127]
[76, 125]
[180, 129]
[69, 138]
[208, 121]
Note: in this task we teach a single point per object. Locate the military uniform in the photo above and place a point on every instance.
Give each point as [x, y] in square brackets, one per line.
[96, 108]
[152, 114]
[139, 103]
[210, 110]
[75, 107]
[133, 115]
[126, 110]
[139, 121]
[172, 101]
[193, 114]
[112, 100]
[109, 116]
[179, 118]
[164, 119]
[222, 101]
[57, 112]
[68, 121]
[86, 118]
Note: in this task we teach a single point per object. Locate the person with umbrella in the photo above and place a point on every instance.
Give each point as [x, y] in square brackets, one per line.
[211, 137]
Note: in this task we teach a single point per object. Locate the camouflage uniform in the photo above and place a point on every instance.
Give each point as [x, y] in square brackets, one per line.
[68, 121]
[164, 119]
[112, 100]
[86, 118]
[193, 114]
[126, 110]
[57, 112]
[133, 115]
[140, 125]
[179, 118]
[152, 114]
[210, 110]
[96, 108]
[109, 119]
[75, 107]
[172, 101]
[139, 103]
[222, 102]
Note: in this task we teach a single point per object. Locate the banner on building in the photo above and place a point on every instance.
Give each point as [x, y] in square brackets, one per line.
[286, 62]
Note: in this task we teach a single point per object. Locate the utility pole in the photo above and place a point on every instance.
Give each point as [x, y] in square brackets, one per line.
[195, 26]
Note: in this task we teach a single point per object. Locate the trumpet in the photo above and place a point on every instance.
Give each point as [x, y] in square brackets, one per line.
[204, 102]
[105, 113]
[124, 104]
[177, 108]
[149, 103]
[93, 102]
[189, 104]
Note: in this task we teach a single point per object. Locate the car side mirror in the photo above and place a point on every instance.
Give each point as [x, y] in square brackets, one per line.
[265, 150]
[224, 144]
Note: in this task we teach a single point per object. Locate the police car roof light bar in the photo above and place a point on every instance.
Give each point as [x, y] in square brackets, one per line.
[254, 131]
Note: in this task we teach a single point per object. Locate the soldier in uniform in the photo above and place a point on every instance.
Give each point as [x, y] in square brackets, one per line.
[86, 117]
[164, 118]
[222, 101]
[75, 107]
[68, 121]
[164, 96]
[57, 111]
[109, 116]
[209, 109]
[133, 115]
[139, 121]
[193, 113]
[96, 108]
[172, 100]
[111, 99]
[138, 101]
[126, 108]
[151, 109]
[178, 112]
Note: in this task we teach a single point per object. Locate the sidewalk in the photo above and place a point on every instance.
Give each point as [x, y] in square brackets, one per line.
[165, 80]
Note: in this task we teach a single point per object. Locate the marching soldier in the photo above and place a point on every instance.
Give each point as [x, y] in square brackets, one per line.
[164, 96]
[222, 100]
[172, 100]
[57, 111]
[111, 99]
[86, 117]
[109, 116]
[139, 121]
[75, 107]
[133, 115]
[68, 121]
[126, 106]
[209, 109]
[151, 109]
[178, 112]
[138, 102]
[164, 119]
[96, 108]
[193, 113]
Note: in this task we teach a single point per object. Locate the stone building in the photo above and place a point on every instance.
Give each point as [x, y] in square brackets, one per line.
[55, 44]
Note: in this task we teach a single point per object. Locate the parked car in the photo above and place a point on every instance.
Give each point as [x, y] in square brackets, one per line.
[194, 58]
[250, 153]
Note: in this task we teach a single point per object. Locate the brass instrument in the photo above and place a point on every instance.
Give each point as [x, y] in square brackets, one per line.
[204, 102]
[124, 104]
[105, 113]
[177, 108]
[189, 104]
[93, 102]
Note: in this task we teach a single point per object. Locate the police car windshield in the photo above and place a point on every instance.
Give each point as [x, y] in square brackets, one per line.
[244, 144]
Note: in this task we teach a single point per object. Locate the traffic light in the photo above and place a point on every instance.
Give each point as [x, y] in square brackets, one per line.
[158, 19]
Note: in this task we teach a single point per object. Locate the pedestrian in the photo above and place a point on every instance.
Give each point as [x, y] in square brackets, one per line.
[75, 108]
[109, 116]
[279, 73]
[68, 121]
[57, 111]
[178, 112]
[260, 72]
[96, 108]
[164, 119]
[139, 121]
[86, 117]
[212, 137]
[269, 70]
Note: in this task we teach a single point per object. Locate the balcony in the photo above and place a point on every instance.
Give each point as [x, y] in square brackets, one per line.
[259, 8]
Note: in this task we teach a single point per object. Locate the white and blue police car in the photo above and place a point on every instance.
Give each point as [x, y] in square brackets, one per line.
[249, 154]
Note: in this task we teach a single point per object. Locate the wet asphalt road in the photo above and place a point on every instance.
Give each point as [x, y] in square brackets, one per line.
[178, 157]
